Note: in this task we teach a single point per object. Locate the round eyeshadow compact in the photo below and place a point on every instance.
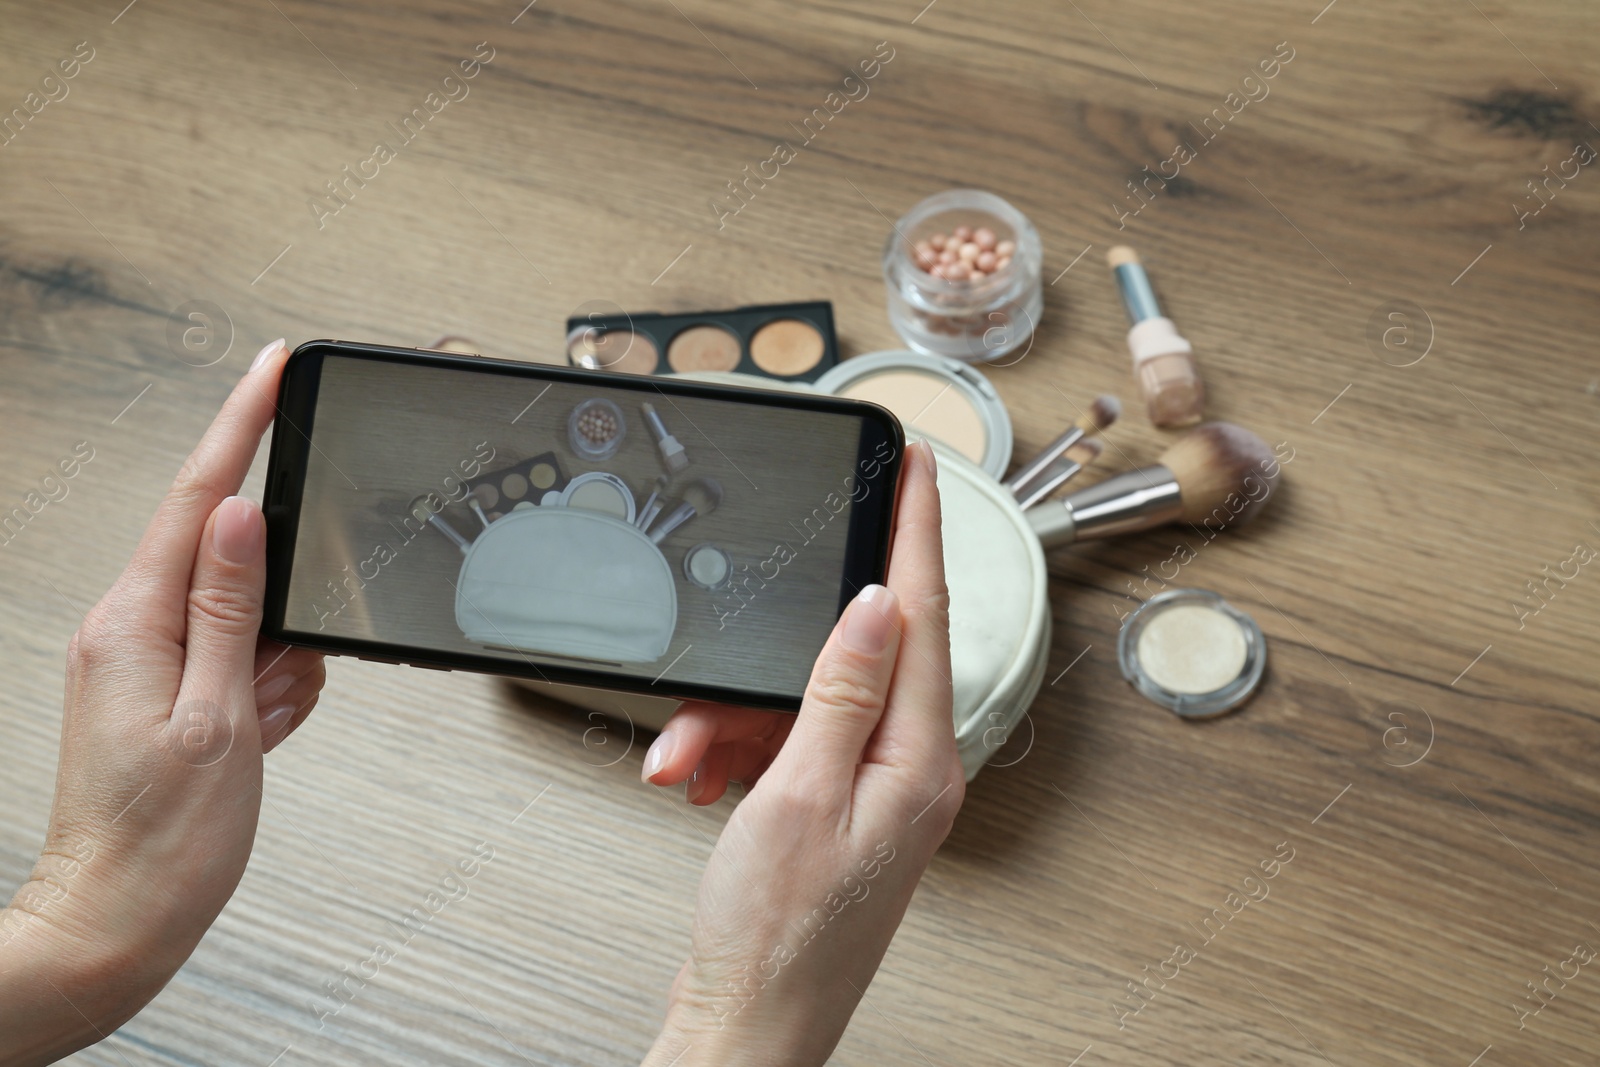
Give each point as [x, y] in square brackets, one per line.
[595, 429]
[622, 351]
[787, 347]
[936, 395]
[1192, 652]
[701, 348]
[707, 566]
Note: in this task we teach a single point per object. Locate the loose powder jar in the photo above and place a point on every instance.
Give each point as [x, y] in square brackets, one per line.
[1192, 652]
[595, 429]
[962, 271]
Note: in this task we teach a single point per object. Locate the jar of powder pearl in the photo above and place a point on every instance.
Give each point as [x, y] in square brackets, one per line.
[962, 271]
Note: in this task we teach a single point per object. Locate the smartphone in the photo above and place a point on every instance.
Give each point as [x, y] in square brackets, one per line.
[656, 535]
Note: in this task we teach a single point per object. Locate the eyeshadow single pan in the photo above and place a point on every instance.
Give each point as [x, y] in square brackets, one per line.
[703, 348]
[786, 347]
[620, 351]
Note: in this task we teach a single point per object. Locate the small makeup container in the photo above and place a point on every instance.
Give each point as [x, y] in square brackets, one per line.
[595, 429]
[1192, 652]
[941, 397]
[707, 566]
[962, 273]
[784, 342]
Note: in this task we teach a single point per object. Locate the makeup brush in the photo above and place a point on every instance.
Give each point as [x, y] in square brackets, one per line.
[1216, 475]
[700, 497]
[672, 454]
[651, 508]
[475, 502]
[423, 513]
[1102, 413]
[1062, 471]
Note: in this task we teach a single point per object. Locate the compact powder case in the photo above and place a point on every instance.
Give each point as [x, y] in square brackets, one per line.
[936, 395]
[1192, 652]
[787, 342]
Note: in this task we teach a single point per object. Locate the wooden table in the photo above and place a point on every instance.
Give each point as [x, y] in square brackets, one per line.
[1430, 762]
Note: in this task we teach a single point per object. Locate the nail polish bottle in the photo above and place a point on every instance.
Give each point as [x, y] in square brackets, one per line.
[1163, 361]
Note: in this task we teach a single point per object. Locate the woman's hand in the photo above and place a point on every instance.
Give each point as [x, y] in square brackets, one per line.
[171, 701]
[815, 869]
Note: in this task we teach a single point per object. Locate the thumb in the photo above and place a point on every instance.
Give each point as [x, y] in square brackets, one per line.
[847, 693]
[224, 604]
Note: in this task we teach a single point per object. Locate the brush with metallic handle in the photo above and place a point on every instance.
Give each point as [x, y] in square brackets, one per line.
[1216, 475]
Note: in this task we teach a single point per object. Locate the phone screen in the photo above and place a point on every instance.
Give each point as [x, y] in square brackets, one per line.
[684, 539]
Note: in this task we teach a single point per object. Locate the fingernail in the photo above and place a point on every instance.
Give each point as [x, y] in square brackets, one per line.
[274, 720]
[928, 457]
[697, 783]
[656, 758]
[868, 620]
[236, 530]
[274, 688]
[261, 356]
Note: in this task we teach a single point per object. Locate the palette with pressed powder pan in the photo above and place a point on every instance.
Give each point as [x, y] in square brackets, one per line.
[527, 482]
[788, 342]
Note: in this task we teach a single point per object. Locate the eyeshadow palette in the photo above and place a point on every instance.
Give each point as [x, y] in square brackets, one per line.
[790, 342]
[521, 484]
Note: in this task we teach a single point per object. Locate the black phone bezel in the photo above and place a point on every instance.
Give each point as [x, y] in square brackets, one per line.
[866, 548]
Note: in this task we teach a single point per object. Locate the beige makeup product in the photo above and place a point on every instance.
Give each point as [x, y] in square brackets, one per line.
[622, 351]
[936, 395]
[702, 348]
[1192, 652]
[786, 347]
[1216, 475]
[1163, 361]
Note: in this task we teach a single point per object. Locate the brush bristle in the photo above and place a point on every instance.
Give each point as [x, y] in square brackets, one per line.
[1225, 474]
[1102, 413]
[1120, 255]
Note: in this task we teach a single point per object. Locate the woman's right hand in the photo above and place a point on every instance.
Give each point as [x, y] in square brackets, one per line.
[814, 871]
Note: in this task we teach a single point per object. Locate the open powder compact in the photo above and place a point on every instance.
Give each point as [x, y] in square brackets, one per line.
[1192, 652]
[787, 342]
[941, 397]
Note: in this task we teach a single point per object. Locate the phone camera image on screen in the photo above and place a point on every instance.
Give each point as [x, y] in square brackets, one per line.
[514, 518]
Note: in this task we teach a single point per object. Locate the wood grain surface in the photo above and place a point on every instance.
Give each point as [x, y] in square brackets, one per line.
[1425, 746]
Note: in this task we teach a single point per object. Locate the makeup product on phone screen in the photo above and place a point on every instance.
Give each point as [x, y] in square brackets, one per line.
[672, 454]
[941, 397]
[1163, 361]
[1214, 476]
[786, 342]
[541, 561]
[962, 273]
[1192, 652]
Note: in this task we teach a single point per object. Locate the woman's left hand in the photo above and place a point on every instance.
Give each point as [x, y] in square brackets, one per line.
[172, 698]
